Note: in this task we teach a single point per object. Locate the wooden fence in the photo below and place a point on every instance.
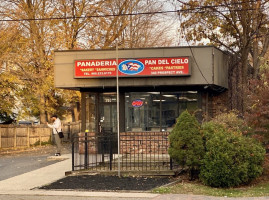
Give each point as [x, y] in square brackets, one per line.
[71, 128]
[14, 136]
[23, 135]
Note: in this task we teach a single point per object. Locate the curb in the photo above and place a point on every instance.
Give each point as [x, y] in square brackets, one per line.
[60, 158]
[80, 194]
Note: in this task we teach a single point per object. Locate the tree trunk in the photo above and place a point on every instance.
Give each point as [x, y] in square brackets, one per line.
[235, 84]
[244, 79]
[76, 111]
[42, 114]
[256, 60]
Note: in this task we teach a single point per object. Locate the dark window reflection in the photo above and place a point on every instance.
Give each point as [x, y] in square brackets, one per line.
[155, 111]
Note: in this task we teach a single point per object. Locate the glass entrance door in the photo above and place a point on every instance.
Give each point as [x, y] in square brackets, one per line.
[108, 119]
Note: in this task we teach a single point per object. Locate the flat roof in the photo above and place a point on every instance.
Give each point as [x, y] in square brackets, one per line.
[142, 48]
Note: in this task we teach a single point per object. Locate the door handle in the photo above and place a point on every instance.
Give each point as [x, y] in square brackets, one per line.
[100, 127]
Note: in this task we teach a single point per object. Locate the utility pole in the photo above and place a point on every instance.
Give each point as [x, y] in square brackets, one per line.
[118, 105]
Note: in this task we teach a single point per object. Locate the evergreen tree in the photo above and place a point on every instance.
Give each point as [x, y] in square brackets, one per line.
[186, 143]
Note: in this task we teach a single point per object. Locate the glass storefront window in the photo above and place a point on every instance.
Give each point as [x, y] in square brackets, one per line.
[90, 113]
[142, 111]
[174, 103]
[155, 111]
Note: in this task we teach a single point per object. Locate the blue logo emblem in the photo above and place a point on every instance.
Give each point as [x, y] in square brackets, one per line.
[131, 67]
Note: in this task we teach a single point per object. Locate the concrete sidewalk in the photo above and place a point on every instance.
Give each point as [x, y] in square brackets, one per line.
[80, 194]
[62, 195]
[26, 185]
[38, 177]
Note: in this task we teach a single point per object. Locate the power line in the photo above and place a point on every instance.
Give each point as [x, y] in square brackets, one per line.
[88, 16]
[120, 15]
[217, 89]
[197, 63]
[229, 4]
[193, 56]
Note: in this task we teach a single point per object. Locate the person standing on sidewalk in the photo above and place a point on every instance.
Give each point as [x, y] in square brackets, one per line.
[56, 127]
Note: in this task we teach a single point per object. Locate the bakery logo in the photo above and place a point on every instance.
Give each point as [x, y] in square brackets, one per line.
[137, 103]
[131, 67]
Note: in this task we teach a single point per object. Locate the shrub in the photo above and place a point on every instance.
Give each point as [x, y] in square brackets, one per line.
[230, 159]
[186, 143]
[209, 129]
[231, 121]
[257, 106]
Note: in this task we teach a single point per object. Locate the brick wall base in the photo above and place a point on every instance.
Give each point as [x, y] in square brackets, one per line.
[131, 143]
[144, 142]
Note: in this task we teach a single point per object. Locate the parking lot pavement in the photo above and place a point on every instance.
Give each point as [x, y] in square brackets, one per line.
[11, 166]
[38, 177]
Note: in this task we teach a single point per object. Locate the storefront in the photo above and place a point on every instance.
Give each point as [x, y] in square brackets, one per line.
[155, 84]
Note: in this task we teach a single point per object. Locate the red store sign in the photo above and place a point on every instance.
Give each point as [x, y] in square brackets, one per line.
[176, 66]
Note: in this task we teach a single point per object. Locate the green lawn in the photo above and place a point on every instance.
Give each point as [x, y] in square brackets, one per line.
[261, 189]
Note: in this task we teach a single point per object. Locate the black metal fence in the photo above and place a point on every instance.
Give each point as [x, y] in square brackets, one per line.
[147, 151]
[93, 152]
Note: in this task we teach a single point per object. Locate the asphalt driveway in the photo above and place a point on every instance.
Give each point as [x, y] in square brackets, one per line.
[17, 162]
[11, 166]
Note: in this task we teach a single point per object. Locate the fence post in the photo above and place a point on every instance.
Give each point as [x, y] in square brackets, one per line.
[110, 152]
[86, 150]
[73, 153]
[28, 136]
[39, 132]
[69, 130]
[171, 164]
[15, 137]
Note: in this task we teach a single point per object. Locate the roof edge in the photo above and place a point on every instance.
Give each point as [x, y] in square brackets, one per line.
[145, 48]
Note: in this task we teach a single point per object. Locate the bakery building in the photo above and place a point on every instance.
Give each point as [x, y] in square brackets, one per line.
[155, 86]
